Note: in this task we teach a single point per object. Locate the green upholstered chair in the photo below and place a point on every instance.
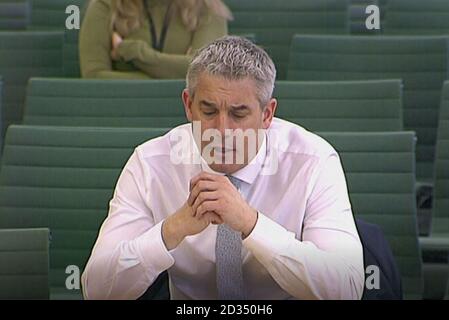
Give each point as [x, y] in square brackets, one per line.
[420, 61]
[274, 22]
[50, 14]
[416, 17]
[70, 54]
[14, 14]
[23, 55]
[358, 16]
[105, 103]
[341, 106]
[318, 106]
[380, 174]
[24, 263]
[62, 178]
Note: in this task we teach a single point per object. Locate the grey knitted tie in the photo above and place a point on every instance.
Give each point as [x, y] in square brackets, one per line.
[228, 257]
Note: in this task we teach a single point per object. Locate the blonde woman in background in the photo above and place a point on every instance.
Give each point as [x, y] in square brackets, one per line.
[140, 39]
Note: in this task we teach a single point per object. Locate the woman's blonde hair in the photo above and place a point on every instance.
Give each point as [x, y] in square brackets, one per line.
[128, 15]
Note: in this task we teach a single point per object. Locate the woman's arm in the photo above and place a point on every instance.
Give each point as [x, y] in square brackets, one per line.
[95, 45]
[163, 65]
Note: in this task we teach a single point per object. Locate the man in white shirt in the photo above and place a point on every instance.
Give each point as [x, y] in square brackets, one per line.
[276, 225]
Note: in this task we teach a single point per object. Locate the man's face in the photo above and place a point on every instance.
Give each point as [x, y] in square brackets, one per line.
[222, 104]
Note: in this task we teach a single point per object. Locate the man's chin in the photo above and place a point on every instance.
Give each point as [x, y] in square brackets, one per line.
[226, 168]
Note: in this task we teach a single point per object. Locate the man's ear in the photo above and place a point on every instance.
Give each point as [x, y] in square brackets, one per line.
[268, 113]
[187, 100]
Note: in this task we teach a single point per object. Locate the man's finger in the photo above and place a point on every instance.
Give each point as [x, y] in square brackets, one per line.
[204, 196]
[201, 186]
[203, 175]
[210, 205]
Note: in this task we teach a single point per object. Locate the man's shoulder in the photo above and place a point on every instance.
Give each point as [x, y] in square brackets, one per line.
[162, 146]
[293, 139]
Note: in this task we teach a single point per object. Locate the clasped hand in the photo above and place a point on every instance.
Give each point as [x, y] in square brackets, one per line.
[212, 199]
[215, 197]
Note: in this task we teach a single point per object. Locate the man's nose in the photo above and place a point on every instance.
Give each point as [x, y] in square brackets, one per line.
[223, 123]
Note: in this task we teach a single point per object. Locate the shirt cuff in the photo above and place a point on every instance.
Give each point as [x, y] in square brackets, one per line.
[153, 252]
[268, 238]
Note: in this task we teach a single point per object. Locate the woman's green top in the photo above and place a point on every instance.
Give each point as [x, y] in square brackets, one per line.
[138, 58]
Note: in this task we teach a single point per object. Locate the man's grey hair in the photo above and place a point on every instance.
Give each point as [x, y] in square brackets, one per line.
[234, 58]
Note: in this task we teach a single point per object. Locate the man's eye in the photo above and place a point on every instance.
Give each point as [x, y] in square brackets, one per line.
[239, 115]
[208, 113]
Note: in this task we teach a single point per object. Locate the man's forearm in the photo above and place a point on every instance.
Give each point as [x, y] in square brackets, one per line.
[111, 270]
[304, 270]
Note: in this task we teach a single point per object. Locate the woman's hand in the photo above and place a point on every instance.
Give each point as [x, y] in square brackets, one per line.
[116, 41]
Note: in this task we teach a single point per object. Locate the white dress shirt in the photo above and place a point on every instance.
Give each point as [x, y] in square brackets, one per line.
[304, 246]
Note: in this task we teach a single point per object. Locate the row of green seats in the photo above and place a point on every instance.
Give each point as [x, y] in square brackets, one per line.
[28, 54]
[417, 17]
[35, 14]
[319, 106]
[358, 16]
[312, 58]
[50, 14]
[40, 54]
[275, 22]
[306, 16]
[23, 55]
[403, 17]
[421, 62]
[62, 178]
[380, 173]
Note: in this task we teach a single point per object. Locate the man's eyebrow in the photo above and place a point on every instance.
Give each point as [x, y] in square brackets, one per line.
[207, 103]
[240, 107]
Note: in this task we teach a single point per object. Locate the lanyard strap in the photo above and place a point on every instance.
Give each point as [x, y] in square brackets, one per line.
[158, 45]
